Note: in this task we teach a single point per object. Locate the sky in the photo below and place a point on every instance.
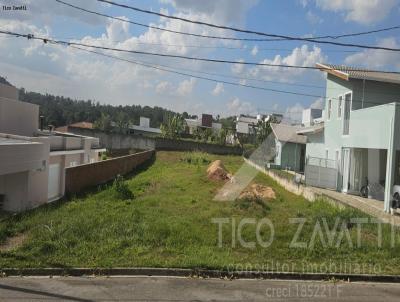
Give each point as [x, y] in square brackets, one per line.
[74, 73]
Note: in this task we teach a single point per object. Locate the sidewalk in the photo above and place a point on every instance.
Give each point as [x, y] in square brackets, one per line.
[369, 206]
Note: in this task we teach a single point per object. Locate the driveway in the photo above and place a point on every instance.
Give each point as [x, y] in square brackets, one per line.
[183, 289]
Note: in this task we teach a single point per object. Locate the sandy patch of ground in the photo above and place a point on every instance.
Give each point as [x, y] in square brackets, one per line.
[258, 191]
[13, 243]
[217, 171]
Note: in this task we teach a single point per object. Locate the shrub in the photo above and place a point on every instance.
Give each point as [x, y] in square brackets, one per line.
[121, 188]
[196, 158]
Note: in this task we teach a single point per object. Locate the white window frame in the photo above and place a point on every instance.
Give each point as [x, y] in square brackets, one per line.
[351, 109]
[340, 107]
[329, 109]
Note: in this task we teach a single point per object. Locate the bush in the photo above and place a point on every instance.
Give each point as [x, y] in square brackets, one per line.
[196, 158]
[104, 156]
[121, 188]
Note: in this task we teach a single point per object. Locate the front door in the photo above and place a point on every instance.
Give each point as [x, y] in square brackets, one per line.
[54, 186]
[346, 170]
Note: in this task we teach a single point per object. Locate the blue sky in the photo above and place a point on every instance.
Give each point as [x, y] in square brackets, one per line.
[73, 73]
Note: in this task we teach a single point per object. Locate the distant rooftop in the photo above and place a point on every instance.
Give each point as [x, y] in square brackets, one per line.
[12, 141]
[287, 133]
[85, 125]
[347, 73]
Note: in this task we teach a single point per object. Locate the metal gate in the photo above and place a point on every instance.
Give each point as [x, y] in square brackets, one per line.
[321, 173]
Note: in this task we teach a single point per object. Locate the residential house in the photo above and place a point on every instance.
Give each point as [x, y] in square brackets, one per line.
[205, 121]
[247, 124]
[32, 161]
[359, 141]
[70, 128]
[144, 128]
[289, 148]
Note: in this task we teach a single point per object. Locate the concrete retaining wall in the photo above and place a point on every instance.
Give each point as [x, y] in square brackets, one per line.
[297, 189]
[115, 141]
[85, 176]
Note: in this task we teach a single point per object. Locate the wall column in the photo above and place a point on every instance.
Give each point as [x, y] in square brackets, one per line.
[391, 162]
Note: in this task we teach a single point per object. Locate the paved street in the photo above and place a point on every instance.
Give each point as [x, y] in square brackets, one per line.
[182, 289]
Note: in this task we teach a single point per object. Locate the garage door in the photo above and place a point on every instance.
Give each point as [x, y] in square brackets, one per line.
[54, 181]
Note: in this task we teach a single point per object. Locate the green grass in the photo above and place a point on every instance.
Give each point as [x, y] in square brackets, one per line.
[168, 223]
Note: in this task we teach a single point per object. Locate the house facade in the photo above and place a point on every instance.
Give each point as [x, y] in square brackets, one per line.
[289, 148]
[205, 121]
[360, 134]
[32, 161]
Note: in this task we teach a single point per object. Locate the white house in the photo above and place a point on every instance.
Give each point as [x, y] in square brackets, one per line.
[247, 124]
[205, 121]
[32, 161]
[359, 140]
[144, 127]
[289, 148]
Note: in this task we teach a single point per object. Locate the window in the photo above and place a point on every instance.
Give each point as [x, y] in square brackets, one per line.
[340, 102]
[326, 154]
[346, 114]
[329, 109]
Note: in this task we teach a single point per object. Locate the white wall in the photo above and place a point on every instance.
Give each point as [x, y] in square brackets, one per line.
[18, 118]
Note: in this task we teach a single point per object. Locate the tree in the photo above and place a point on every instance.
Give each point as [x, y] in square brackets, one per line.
[173, 127]
[103, 123]
[264, 129]
[122, 123]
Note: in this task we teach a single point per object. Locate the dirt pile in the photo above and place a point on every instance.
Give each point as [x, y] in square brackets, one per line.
[257, 191]
[217, 171]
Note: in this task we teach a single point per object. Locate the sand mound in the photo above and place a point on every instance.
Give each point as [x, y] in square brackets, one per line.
[217, 171]
[258, 191]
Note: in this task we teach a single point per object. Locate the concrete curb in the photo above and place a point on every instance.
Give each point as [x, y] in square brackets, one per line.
[172, 272]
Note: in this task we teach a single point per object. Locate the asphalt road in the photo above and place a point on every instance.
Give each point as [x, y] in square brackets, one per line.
[183, 289]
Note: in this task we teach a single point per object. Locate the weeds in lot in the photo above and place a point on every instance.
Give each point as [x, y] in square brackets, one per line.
[169, 224]
[196, 158]
[121, 188]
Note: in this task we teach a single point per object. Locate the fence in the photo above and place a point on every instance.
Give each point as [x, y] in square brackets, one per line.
[321, 173]
[116, 141]
[85, 176]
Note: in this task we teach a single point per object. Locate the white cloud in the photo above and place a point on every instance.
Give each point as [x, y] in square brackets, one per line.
[294, 114]
[186, 87]
[360, 11]
[313, 18]
[237, 107]
[219, 89]
[300, 56]
[318, 104]
[254, 51]
[164, 87]
[238, 68]
[377, 58]
[223, 11]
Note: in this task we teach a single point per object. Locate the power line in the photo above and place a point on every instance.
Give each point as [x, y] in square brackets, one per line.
[282, 38]
[49, 40]
[210, 47]
[172, 70]
[165, 29]
[197, 77]
[315, 40]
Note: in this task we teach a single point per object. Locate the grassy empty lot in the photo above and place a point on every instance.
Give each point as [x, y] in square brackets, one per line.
[168, 223]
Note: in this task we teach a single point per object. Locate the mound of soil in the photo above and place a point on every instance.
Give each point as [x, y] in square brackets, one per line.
[217, 171]
[258, 191]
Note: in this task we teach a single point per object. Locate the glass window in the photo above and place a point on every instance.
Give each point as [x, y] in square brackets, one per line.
[340, 102]
[329, 109]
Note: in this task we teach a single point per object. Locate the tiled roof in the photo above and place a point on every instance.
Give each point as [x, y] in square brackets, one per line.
[85, 125]
[347, 73]
[287, 133]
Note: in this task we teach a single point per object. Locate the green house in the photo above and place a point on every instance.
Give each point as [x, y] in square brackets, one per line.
[358, 142]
